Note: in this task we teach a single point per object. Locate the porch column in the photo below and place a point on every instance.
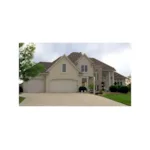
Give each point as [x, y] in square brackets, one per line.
[109, 79]
[87, 83]
[94, 85]
[113, 78]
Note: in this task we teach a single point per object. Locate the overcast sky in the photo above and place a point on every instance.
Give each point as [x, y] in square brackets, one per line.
[117, 55]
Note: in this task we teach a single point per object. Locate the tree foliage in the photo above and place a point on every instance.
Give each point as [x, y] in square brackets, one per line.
[27, 68]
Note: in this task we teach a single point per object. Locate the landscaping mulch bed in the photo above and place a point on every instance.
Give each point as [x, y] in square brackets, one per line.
[111, 93]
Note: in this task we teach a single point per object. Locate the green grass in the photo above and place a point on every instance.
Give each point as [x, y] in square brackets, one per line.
[122, 98]
[21, 99]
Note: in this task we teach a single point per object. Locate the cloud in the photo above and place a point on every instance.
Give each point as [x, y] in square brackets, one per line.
[117, 55]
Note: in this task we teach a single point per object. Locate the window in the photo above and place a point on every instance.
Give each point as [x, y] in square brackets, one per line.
[63, 67]
[120, 83]
[84, 81]
[84, 68]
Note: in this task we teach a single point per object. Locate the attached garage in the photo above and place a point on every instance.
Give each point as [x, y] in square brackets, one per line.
[34, 86]
[63, 86]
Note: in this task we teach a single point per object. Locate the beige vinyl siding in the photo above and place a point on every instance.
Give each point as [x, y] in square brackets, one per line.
[56, 73]
[35, 85]
[85, 61]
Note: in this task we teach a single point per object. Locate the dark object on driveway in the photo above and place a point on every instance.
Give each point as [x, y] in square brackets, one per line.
[82, 89]
[20, 89]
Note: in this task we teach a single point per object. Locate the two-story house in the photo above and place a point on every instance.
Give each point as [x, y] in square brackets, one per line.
[68, 73]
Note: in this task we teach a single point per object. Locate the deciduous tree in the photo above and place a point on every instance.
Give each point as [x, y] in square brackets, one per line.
[27, 68]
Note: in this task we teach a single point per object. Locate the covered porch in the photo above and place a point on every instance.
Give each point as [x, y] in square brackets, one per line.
[88, 81]
[107, 79]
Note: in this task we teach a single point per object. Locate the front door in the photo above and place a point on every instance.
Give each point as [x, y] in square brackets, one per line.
[84, 82]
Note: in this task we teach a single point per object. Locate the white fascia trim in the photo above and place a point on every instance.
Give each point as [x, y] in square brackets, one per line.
[61, 59]
[54, 64]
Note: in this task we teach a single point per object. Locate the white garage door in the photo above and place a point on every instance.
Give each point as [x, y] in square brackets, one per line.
[63, 86]
[34, 86]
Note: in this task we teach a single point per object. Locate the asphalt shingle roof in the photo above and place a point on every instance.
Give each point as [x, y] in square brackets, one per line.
[118, 76]
[103, 65]
[48, 64]
[74, 56]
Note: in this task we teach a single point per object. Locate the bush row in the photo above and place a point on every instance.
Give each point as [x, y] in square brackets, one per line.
[129, 87]
[121, 89]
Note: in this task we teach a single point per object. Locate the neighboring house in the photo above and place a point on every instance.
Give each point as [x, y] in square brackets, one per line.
[128, 80]
[119, 79]
[68, 73]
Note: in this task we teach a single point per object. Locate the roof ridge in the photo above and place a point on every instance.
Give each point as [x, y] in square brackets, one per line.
[44, 62]
[120, 74]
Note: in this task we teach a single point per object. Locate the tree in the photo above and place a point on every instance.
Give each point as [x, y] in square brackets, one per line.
[27, 68]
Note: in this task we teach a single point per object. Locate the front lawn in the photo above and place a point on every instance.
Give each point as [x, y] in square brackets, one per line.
[119, 97]
[21, 99]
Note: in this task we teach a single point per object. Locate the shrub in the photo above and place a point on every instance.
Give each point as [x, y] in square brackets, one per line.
[113, 88]
[129, 87]
[82, 88]
[101, 92]
[118, 88]
[124, 89]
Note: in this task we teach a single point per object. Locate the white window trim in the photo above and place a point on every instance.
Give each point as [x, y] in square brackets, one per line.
[62, 68]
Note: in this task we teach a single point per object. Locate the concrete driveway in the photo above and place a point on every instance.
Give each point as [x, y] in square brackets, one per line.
[66, 99]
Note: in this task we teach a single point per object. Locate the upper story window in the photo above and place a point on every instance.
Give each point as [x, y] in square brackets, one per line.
[84, 68]
[63, 67]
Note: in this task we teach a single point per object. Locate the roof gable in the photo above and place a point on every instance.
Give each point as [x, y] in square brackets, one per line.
[84, 55]
[57, 61]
